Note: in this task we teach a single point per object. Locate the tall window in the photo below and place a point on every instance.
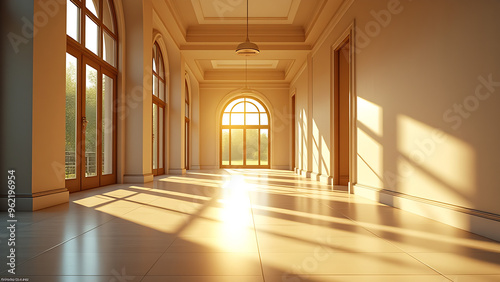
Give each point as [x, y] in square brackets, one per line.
[245, 134]
[187, 128]
[91, 71]
[159, 98]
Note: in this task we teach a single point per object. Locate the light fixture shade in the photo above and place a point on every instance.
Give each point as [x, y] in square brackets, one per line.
[247, 48]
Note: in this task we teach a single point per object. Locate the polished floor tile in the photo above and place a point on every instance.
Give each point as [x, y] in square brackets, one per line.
[207, 264]
[203, 279]
[240, 225]
[318, 262]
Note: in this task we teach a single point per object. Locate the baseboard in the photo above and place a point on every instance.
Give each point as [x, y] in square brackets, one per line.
[325, 179]
[341, 188]
[280, 167]
[209, 167]
[181, 171]
[138, 178]
[475, 221]
[304, 173]
[195, 167]
[37, 201]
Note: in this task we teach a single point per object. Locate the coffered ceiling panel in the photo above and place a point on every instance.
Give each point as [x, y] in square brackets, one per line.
[208, 31]
[234, 11]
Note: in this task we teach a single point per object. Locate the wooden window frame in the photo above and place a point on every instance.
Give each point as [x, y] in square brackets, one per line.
[245, 127]
[158, 59]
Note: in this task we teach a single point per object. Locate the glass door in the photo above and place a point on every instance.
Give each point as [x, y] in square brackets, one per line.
[90, 121]
[90, 125]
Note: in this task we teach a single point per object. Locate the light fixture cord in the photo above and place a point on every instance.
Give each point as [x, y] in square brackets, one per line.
[246, 72]
[247, 21]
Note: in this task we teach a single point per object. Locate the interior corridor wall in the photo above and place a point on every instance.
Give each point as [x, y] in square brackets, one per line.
[427, 80]
[211, 97]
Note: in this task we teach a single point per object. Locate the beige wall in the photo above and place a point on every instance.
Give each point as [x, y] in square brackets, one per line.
[424, 105]
[213, 98]
[49, 101]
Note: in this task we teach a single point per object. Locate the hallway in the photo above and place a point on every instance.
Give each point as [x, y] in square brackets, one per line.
[245, 226]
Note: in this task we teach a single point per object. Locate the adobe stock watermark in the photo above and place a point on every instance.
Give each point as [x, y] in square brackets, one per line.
[425, 148]
[282, 119]
[223, 6]
[456, 114]
[373, 28]
[310, 264]
[121, 276]
[49, 9]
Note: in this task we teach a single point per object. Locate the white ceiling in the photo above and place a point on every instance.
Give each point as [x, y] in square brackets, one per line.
[208, 31]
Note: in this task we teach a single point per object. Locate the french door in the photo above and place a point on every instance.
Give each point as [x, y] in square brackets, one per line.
[90, 123]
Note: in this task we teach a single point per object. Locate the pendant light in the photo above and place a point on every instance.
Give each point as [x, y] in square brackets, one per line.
[247, 48]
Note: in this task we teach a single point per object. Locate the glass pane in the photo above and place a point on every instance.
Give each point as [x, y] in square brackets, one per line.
[237, 119]
[154, 63]
[73, 21]
[252, 147]
[160, 64]
[225, 147]
[91, 116]
[160, 139]
[107, 16]
[252, 119]
[107, 125]
[263, 119]
[230, 106]
[155, 136]
[91, 35]
[186, 110]
[251, 108]
[225, 119]
[264, 141]
[162, 90]
[71, 106]
[109, 49]
[93, 6]
[239, 108]
[155, 85]
[236, 146]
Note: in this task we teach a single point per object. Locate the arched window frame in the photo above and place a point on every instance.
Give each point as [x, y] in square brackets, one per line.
[159, 96]
[226, 123]
[107, 32]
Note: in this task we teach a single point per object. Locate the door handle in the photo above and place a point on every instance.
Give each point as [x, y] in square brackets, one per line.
[84, 122]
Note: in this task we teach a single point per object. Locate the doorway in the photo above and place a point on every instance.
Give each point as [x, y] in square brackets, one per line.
[341, 100]
[90, 155]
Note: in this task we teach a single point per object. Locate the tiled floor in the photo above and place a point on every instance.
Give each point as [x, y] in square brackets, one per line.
[240, 226]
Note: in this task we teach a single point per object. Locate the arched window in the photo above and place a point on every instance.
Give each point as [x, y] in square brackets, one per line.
[245, 134]
[91, 73]
[159, 98]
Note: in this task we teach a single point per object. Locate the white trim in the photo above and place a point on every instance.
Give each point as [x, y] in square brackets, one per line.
[138, 178]
[349, 32]
[443, 213]
[177, 171]
[331, 26]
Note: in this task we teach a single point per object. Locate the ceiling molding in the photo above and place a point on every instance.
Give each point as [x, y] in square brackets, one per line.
[331, 25]
[241, 75]
[244, 64]
[237, 33]
[252, 85]
[262, 47]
